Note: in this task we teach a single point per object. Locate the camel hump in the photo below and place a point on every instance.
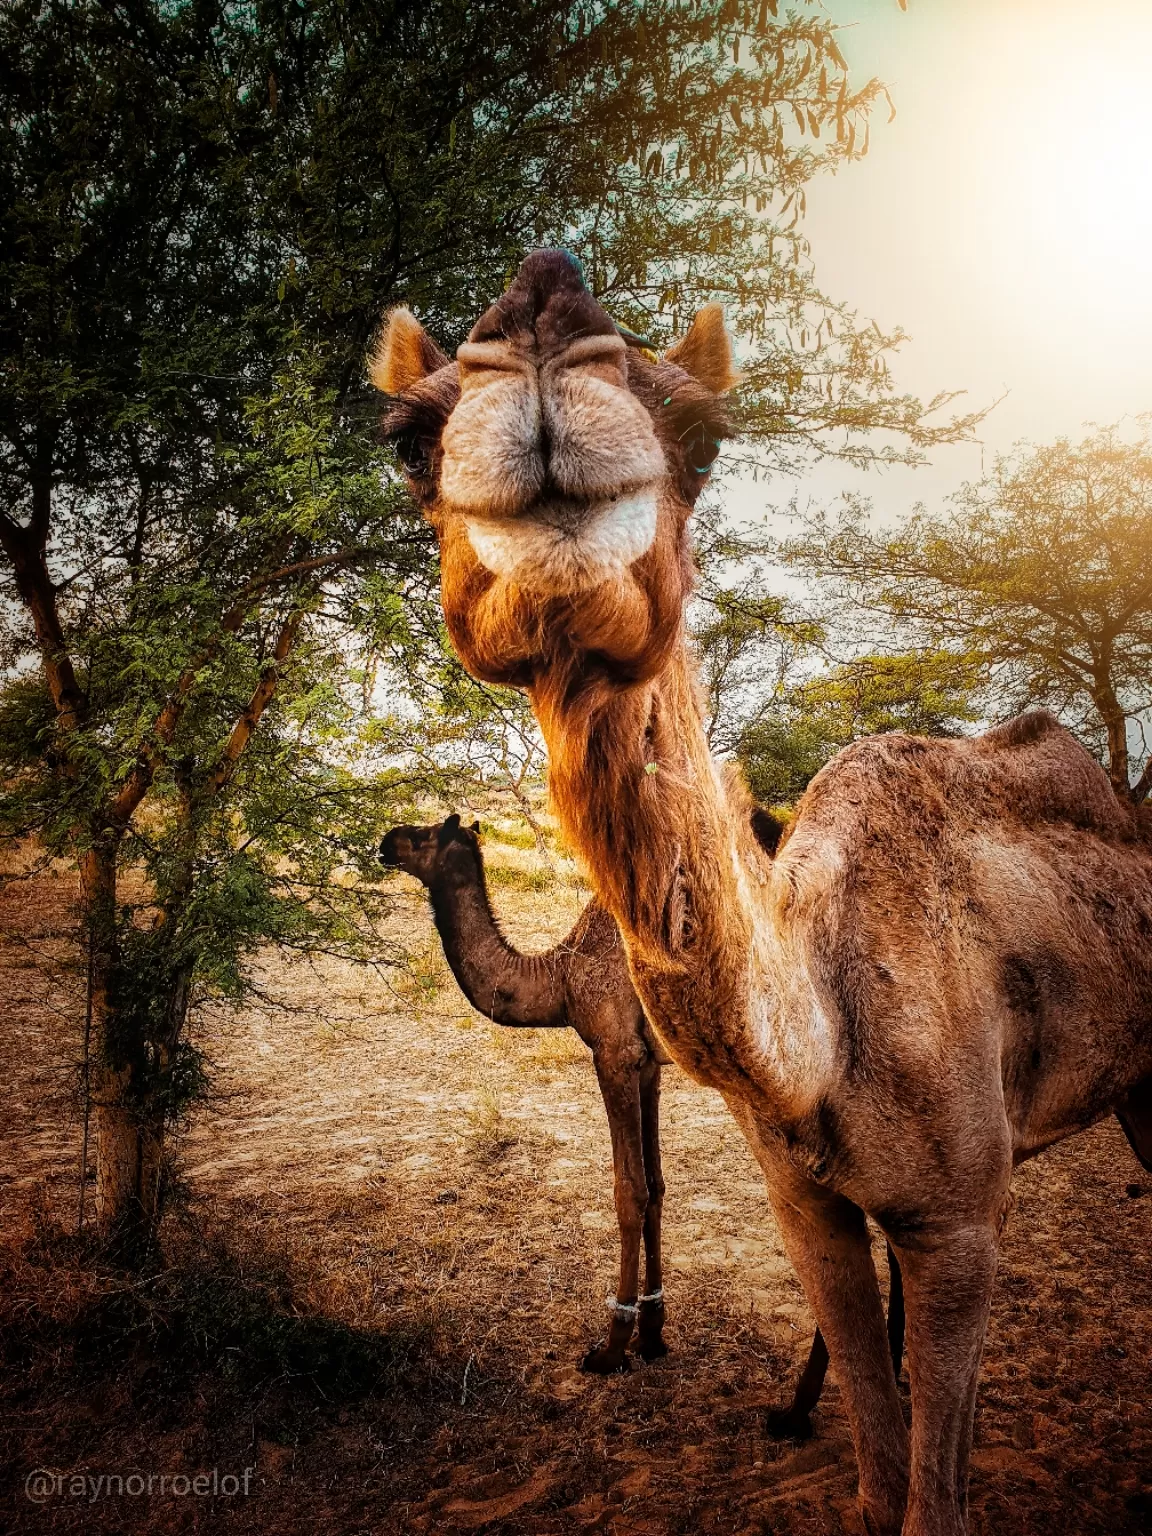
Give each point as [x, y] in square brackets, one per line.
[1030, 770]
[1044, 774]
[1022, 730]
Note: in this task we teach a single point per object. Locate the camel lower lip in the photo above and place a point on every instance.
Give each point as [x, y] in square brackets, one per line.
[560, 546]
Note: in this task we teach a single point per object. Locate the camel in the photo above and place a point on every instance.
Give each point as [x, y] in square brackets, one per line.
[583, 983]
[944, 967]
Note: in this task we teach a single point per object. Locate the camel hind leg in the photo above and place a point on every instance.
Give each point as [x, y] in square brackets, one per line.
[620, 1089]
[651, 1329]
[1135, 1116]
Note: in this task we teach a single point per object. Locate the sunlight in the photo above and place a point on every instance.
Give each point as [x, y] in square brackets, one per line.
[1056, 139]
[1004, 219]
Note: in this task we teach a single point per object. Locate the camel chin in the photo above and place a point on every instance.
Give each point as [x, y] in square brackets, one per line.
[550, 551]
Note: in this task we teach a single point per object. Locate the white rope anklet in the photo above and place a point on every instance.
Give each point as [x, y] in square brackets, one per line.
[630, 1308]
[623, 1308]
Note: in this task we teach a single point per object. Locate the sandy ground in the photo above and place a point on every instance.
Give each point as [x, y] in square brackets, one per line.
[397, 1181]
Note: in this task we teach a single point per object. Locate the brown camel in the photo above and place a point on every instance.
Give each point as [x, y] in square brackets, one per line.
[944, 968]
[583, 983]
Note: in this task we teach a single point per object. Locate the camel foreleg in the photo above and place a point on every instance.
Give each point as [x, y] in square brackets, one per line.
[827, 1239]
[948, 1282]
[620, 1090]
[795, 1421]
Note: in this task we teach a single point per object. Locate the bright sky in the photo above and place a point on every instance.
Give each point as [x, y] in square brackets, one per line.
[1004, 219]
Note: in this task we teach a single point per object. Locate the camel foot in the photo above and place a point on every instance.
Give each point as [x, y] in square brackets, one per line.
[788, 1424]
[601, 1361]
[650, 1343]
[651, 1347]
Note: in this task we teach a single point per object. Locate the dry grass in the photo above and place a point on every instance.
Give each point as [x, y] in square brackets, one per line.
[393, 1239]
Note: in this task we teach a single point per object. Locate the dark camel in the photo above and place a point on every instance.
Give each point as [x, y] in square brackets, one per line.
[583, 983]
[945, 966]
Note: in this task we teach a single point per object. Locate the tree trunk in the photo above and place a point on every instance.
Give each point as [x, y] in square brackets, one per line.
[129, 1146]
[1116, 725]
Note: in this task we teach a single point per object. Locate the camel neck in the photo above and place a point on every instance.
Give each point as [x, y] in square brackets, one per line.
[638, 793]
[500, 982]
[667, 843]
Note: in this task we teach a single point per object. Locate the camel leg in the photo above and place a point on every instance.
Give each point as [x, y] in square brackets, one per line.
[620, 1090]
[895, 1312]
[827, 1240]
[948, 1284]
[651, 1330]
[795, 1421]
[1135, 1115]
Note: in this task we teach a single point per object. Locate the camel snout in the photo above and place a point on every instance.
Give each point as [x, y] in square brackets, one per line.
[394, 849]
[527, 433]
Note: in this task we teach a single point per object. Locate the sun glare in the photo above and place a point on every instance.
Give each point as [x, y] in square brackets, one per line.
[1005, 217]
[1057, 145]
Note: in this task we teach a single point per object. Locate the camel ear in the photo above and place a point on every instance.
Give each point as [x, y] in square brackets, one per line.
[403, 355]
[706, 351]
[450, 827]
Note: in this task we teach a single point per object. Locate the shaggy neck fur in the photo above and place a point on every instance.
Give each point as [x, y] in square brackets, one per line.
[670, 848]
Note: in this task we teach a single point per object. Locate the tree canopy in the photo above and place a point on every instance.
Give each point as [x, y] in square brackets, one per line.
[809, 719]
[1038, 579]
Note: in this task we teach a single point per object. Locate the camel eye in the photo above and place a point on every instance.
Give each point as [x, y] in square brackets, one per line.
[411, 452]
[700, 447]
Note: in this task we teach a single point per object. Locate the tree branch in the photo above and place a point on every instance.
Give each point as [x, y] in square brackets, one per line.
[241, 732]
[151, 753]
[1143, 785]
[301, 568]
[25, 552]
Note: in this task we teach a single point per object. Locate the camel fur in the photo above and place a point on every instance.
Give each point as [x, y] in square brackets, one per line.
[583, 984]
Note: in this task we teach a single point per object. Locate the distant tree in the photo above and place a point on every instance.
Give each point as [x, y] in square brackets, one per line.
[1040, 577]
[776, 699]
[806, 722]
[205, 210]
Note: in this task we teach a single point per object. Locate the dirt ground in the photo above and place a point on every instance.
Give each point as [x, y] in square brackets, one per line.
[391, 1243]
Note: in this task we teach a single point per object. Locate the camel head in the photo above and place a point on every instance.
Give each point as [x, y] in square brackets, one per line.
[431, 853]
[558, 459]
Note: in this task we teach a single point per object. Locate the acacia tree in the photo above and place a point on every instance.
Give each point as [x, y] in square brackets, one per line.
[809, 718]
[1039, 578]
[204, 211]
